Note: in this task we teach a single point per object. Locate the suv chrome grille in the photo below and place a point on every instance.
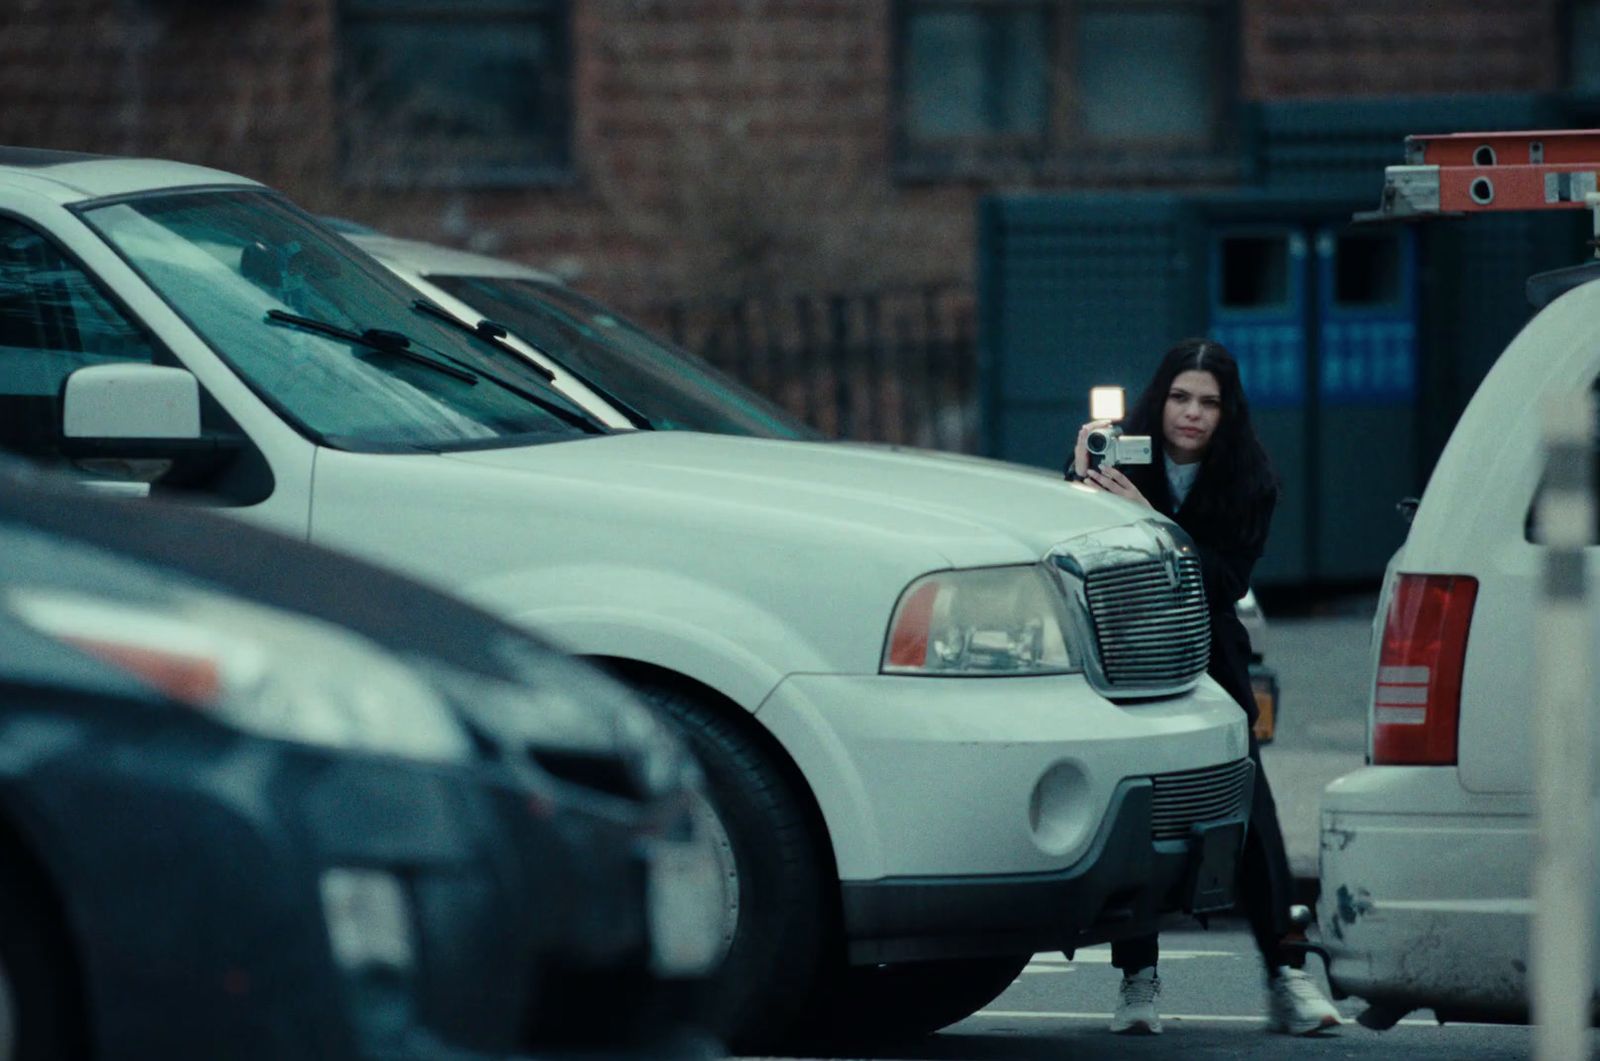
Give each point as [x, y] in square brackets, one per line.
[1150, 630]
[1188, 798]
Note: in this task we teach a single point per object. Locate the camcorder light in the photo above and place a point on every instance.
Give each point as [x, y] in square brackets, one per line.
[1106, 403]
[1108, 446]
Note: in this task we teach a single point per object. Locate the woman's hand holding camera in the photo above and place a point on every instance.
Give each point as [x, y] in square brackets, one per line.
[1110, 480]
[1080, 452]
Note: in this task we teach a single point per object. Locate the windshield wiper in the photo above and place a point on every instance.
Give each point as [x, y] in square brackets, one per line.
[491, 332]
[488, 331]
[571, 414]
[379, 339]
[399, 344]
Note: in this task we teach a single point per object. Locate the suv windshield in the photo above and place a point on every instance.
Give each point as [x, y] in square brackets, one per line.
[333, 342]
[672, 388]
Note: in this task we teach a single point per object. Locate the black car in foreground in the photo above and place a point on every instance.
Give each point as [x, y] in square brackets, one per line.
[261, 801]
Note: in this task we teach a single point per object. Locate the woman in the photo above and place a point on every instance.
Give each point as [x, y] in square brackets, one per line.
[1214, 480]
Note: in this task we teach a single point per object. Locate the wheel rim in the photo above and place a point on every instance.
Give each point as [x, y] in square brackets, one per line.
[708, 823]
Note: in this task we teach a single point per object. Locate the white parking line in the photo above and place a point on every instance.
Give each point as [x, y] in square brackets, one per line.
[1057, 963]
[1211, 1018]
[1102, 955]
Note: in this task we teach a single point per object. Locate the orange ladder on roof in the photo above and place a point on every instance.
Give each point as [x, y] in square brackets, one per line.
[1468, 173]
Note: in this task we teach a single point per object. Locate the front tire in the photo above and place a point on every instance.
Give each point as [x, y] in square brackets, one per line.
[778, 911]
[883, 1003]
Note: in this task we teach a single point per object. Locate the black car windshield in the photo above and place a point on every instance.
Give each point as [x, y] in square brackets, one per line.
[326, 336]
[672, 388]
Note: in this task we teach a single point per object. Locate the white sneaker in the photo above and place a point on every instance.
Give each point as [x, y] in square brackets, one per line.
[1136, 1004]
[1295, 1006]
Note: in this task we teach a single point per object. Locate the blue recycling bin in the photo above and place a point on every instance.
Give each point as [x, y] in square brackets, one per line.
[1260, 306]
[1365, 455]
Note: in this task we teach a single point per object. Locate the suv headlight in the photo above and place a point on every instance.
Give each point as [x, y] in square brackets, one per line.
[265, 671]
[988, 622]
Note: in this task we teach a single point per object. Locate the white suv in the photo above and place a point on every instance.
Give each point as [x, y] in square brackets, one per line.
[1427, 853]
[622, 374]
[950, 714]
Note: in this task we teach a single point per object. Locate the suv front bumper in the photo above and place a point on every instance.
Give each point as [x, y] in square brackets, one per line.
[1122, 887]
[989, 816]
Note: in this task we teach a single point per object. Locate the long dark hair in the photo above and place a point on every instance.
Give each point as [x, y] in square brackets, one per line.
[1236, 477]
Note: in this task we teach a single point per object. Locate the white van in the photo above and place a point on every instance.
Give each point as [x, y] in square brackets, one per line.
[951, 714]
[1427, 853]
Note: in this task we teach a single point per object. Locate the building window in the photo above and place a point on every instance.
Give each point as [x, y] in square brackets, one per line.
[1583, 47]
[976, 73]
[455, 92]
[1065, 85]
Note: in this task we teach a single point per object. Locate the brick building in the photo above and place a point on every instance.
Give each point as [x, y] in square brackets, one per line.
[656, 149]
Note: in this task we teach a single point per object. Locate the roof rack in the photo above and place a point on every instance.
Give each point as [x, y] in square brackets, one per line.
[1544, 288]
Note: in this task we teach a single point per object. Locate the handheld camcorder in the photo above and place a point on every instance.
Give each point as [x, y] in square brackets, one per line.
[1108, 446]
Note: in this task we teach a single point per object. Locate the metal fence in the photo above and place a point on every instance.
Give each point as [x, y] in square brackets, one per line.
[895, 365]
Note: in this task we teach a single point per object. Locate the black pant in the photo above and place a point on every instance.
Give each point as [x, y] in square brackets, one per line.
[1264, 885]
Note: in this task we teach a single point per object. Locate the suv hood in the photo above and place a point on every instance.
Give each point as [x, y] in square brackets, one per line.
[972, 512]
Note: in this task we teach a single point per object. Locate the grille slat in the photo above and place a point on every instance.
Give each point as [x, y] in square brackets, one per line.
[1178, 615]
[1188, 798]
[1135, 590]
[1155, 611]
[1138, 643]
[1140, 636]
[1167, 602]
[1200, 786]
[1156, 600]
[1200, 810]
[1136, 623]
[1196, 800]
[1151, 671]
[1177, 637]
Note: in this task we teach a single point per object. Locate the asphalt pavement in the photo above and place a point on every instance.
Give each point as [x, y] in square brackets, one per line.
[1212, 1006]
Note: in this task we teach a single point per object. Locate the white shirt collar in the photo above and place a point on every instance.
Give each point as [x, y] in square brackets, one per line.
[1180, 477]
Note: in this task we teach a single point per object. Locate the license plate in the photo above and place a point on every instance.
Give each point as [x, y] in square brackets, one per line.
[1264, 686]
[1213, 865]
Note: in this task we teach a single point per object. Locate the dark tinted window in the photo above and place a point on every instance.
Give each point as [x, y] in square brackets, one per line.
[53, 320]
[672, 388]
[1367, 270]
[1255, 271]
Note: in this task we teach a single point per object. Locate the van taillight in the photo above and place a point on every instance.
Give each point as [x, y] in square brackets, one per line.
[1416, 703]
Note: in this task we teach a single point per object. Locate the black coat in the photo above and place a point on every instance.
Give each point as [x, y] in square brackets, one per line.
[1229, 547]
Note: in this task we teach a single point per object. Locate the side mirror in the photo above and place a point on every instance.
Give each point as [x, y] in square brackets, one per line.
[131, 412]
[1407, 508]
